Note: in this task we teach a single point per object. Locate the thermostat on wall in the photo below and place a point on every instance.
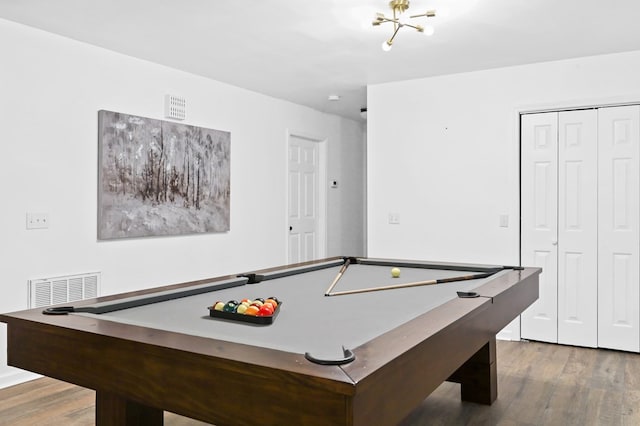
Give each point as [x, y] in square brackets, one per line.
[175, 107]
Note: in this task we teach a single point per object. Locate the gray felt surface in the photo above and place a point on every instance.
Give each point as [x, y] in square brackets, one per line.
[308, 321]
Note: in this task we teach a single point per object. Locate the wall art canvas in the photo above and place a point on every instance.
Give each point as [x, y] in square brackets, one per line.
[159, 178]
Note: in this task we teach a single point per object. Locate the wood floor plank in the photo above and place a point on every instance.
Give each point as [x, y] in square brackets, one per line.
[632, 372]
[539, 384]
[580, 364]
[608, 371]
[631, 407]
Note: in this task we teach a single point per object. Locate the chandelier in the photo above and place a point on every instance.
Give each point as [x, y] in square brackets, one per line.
[398, 7]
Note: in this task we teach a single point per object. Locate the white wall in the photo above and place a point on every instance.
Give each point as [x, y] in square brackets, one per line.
[443, 152]
[51, 91]
[350, 194]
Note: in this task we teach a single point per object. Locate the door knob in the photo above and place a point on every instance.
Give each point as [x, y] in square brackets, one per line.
[554, 243]
[290, 228]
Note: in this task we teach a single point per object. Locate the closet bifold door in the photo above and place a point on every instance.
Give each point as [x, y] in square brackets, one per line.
[578, 227]
[539, 221]
[618, 221]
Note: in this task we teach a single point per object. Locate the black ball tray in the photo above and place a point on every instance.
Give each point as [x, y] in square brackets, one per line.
[232, 316]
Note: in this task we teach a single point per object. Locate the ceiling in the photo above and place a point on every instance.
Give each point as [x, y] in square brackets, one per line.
[304, 51]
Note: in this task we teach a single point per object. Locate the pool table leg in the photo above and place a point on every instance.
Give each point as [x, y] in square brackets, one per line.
[478, 377]
[113, 410]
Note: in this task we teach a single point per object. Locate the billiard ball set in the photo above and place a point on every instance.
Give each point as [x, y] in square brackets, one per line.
[256, 311]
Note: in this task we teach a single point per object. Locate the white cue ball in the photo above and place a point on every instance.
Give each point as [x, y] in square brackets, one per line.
[395, 272]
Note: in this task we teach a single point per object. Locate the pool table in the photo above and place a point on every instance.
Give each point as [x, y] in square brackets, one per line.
[368, 351]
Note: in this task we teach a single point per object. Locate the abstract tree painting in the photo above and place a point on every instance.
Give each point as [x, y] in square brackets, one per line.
[159, 178]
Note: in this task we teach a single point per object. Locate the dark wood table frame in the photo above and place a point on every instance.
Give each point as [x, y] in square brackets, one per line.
[138, 372]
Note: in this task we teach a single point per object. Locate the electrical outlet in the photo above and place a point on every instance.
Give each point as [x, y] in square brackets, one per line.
[37, 220]
[394, 218]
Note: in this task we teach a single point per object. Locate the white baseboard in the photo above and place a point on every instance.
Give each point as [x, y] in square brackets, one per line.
[505, 335]
[511, 331]
[16, 376]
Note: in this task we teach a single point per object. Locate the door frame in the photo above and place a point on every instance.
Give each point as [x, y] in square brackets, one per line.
[512, 331]
[322, 189]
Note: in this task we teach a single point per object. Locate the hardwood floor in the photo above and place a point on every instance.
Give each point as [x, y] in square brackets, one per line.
[539, 384]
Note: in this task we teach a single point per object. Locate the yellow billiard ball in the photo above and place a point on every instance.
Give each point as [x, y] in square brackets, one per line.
[395, 272]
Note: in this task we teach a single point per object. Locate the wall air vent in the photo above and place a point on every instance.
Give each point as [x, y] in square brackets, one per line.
[70, 288]
[175, 107]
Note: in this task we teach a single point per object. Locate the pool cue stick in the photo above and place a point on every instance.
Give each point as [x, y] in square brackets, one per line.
[413, 284]
[337, 278]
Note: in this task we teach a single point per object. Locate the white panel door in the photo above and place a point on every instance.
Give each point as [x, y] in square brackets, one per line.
[303, 199]
[578, 228]
[539, 221]
[618, 238]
